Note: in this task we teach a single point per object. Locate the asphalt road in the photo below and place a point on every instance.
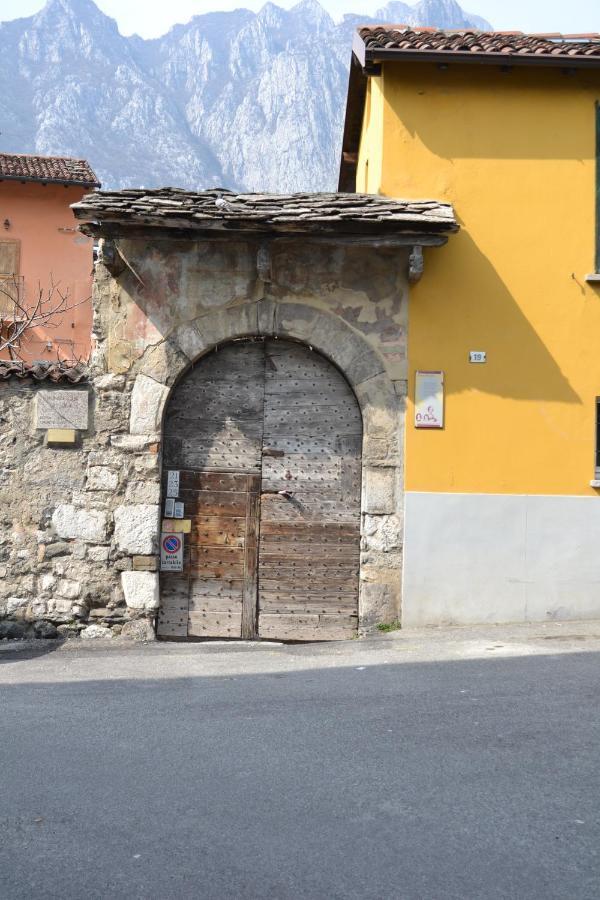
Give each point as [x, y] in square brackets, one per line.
[364, 775]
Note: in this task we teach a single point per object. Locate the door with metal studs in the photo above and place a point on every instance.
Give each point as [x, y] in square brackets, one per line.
[266, 436]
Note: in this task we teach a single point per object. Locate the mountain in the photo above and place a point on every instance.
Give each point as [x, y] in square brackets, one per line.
[250, 101]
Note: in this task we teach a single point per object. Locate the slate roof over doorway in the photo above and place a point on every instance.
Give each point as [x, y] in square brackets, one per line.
[222, 210]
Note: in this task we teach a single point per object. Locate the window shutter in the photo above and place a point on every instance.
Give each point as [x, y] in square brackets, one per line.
[9, 257]
[10, 252]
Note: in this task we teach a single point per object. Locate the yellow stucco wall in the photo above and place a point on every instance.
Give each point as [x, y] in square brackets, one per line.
[370, 160]
[515, 153]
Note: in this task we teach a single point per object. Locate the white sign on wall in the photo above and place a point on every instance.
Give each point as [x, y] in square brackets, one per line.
[171, 552]
[173, 483]
[429, 400]
[478, 356]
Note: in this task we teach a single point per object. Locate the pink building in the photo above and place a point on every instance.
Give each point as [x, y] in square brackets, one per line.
[40, 246]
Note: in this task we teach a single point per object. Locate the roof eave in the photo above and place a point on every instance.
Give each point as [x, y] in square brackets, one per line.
[406, 233]
[380, 55]
[355, 104]
[64, 181]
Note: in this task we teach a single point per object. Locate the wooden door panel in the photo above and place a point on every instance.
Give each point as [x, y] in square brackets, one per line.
[308, 627]
[310, 505]
[213, 437]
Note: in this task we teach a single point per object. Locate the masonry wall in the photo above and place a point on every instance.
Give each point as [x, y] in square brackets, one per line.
[80, 525]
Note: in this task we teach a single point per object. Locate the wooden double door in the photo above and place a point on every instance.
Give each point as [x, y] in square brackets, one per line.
[266, 436]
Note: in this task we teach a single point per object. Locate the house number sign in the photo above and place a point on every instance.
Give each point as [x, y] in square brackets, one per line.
[429, 400]
[478, 356]
[173, 483]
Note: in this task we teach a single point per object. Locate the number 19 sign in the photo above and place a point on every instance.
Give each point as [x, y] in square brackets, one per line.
[429, 400]
[171, 552]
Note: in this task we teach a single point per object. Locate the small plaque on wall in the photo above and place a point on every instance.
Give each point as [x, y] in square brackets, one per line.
[429, 400]
[61, 409]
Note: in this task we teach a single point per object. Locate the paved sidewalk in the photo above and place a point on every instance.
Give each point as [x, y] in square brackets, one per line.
[125, 659]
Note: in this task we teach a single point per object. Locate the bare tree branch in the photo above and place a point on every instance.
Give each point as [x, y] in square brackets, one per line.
[19, 316]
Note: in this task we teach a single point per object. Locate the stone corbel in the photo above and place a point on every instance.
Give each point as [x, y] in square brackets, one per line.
[109, 256]
[416, 264]
[263, 263]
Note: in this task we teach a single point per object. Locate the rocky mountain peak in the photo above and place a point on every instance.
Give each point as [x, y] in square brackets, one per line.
[248, 100]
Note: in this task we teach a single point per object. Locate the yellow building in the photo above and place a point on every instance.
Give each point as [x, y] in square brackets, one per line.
[502, 502]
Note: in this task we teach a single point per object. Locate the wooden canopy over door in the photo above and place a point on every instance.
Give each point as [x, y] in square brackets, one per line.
[267, 438]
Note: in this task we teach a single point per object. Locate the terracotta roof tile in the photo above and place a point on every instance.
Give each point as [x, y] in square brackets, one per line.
[397, 40]
[55, 372]
[57, 169]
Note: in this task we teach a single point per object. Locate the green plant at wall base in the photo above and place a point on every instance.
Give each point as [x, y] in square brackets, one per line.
[386, 627]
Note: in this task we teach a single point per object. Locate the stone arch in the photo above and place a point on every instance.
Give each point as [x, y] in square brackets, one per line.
[382, 410]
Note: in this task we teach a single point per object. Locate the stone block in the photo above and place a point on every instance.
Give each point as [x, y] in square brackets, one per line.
[379, 491]
[367, 365]
[136, 528]
[147, 403]
[47, 582]
[16, 605]
[45, 631]
[100, 478]
[138, 630]
[146, 464]
[379, 602]
[133, 443]
[62, 409]
[68, 589]
[140, 589]
[12, 631]
[110, 382]
[38, 609]
[143, 492]
[59, 548]
[190, 341]
[89, 525]
[164, 363]
[382, 533]
[266, 316]
[60, 606]
[98, 554]
[145, 563]
[96, 632]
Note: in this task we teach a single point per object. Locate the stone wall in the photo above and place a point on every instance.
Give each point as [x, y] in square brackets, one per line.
[63, 561]
[80, 525]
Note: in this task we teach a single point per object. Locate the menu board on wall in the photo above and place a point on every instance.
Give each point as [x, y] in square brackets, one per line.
[429, 400]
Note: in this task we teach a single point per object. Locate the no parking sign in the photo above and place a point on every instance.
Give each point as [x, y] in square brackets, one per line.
[171, 552]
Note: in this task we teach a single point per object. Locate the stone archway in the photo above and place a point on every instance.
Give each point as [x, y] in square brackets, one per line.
[382, 412]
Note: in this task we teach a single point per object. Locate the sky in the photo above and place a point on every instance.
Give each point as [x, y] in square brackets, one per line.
[151, 18]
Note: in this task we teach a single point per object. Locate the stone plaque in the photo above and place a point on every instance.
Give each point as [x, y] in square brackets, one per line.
[62, 409]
